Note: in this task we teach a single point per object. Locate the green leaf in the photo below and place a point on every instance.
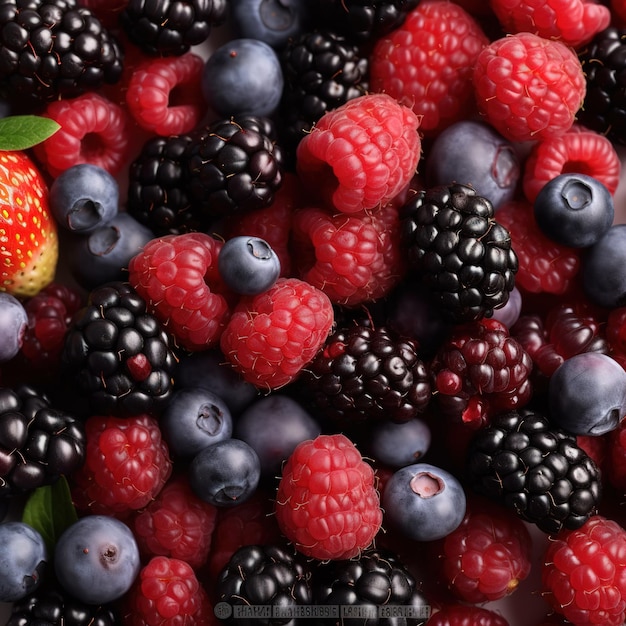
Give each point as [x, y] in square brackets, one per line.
[50, 510]
[19, 132]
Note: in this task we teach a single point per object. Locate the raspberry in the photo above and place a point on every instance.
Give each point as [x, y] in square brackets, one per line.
[270, 337]
[326, 502]
[583, 573]
[93, 130]
[463, 615]
[528, 87]
[127, 463]
[488, 555]
[576, 151]
[167, 593]
[177, 276]
[372, 146]
[481, 370]
[152, 86]
[544, 265]
[176, 524]
[574, 22]
[427, 63]
[352, 258]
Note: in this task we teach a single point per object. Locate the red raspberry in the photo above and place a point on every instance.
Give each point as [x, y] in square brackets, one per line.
[583, 573]
[93, 130]
[352, 258]
[528, 87]
[177, 276]
[360, 155]
[176, 524]
[544, 265]
[427, 63]
[107, 11]
[596, 447]
[582, 152]
[150, 90]
[126, 464]
[488, 555]
[618, 10]
[271, 336]
[327, 503]
[464, 615]
[574, 22]
[481, 370]
[167, 593]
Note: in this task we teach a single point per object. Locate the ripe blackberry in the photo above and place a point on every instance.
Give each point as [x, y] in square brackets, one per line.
[455, 246]
[234, 165]
[365, 373]
[264, 574]
[375, 579]
[157, 187]
[604, 106]
[38, 442]
[54, 48]
[523, 462]
[171, 27]
[117, 355]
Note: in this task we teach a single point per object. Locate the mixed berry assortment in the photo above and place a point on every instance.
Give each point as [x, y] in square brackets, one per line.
[312, 312]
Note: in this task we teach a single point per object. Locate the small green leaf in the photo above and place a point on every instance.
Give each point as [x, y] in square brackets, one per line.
[50, 510]
[19, 132]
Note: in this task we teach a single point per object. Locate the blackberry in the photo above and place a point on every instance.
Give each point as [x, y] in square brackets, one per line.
[604, 63]
[539, 471]
[265, 575]
[322, 71]
[171, 27]
[117, 355]
[38, 442]
[365, 373]
[376, 580]
[157, 187]
[459, 252]
[234, 166]
[54, 48]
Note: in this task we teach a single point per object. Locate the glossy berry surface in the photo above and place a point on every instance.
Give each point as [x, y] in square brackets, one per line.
[400, 443]
[13, 326]
[602, 281]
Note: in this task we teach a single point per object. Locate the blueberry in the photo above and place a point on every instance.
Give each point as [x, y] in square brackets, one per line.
[23, 560]
[424, 502]
[243, 77]
[510, 312]
[273, 426]
[103, 255]
[84, 197]
[13, 325]
[271, 21]
[226, 473]
[472, 153]
[574, 210]
[194, 419]
[603, 269]
[96, 559]
[399, 444]
[248, 265]
[587, 394]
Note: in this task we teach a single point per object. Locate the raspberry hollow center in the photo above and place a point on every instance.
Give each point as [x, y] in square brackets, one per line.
[426, 485]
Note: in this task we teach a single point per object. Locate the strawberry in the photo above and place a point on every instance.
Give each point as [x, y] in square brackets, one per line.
[28, 232]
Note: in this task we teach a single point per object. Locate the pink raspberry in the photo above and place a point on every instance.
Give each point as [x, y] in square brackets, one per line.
[466, 615]
[360, 155]
[574, 22]
[528, 87]
[427, 63]
[271, 336]
[177, 276]
[327, 503]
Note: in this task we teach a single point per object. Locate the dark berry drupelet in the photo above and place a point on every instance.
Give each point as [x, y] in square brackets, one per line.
[38, 442]
[54, 48]
[234, 166]
[367, 373]
[459, 251]
[118, 356]
[523, 462]
[171, 27]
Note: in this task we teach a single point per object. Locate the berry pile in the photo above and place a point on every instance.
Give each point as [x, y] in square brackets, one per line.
[312, 312]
